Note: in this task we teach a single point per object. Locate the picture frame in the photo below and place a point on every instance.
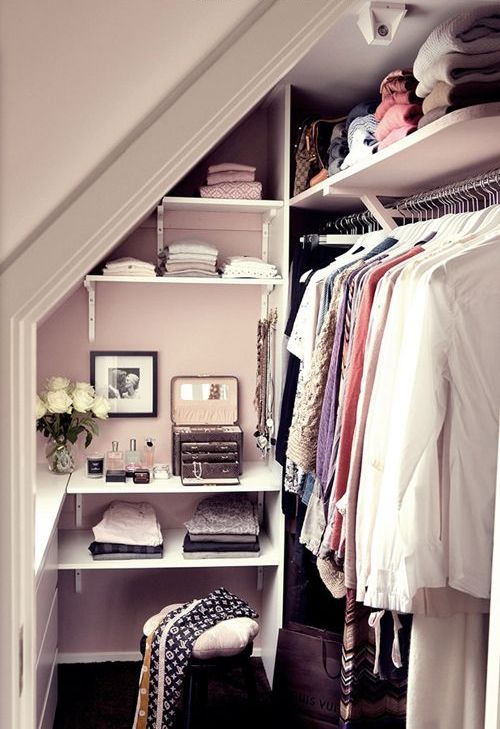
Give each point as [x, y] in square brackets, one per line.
[129, 380]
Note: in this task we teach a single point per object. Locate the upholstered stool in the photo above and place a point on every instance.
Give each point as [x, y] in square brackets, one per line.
[227, 645]
[196, 683]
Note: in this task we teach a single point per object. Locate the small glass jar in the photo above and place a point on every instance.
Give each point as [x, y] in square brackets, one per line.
[95, 465]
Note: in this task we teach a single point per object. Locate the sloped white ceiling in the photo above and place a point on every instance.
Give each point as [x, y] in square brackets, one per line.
[342, 69]
[77, 77]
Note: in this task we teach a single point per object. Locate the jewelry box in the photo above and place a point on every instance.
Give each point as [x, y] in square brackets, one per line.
[207, 441]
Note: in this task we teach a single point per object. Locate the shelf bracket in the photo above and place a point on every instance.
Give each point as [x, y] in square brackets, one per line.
[78, 510]
[90, 286]
[260, 579]
[260, 506]
[266, 221]
[379, 212]
[159, 229]
[78, 581]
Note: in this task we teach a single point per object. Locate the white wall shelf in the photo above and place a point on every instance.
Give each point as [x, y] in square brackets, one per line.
[256, 477]
[425, 159]
[209, 280]
[74, 554]
[216, 205]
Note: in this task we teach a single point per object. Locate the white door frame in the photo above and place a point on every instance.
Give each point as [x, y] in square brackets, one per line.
[52, 264]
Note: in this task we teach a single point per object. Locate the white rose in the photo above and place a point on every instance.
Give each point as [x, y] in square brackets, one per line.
[57, 383]
[85, 387]
[101, 407]
[82, 400]
[59, 402]
[40, 407]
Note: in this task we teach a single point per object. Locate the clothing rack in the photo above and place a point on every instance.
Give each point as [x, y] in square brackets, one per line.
[468, 195]
[340, 231]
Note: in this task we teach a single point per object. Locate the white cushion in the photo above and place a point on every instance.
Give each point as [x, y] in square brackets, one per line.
[227, 638]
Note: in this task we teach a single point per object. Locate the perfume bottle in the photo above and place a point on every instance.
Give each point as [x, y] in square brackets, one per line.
[114, 458]
[148, 453]
[132, 460]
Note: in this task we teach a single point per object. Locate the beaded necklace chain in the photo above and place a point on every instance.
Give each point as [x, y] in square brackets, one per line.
[264, 391]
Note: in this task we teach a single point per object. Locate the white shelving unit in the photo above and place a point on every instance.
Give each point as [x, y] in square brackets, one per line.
[74, 554]
[267, 209]
[256, 477]
[403, 168]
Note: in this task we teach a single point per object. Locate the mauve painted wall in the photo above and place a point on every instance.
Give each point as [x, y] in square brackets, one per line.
[195, 329]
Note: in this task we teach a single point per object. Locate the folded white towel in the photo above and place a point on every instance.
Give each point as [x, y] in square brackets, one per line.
[192, 246]
[190, 272]
[459, 68]
[127, 272]
[247, 260]
[206, 257]
[190, 264]
[476, 31]
[129, 263]
[128, 523]
[215, 178]
[230, 167]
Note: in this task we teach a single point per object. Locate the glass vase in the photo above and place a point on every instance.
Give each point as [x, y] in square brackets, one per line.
[59, 456]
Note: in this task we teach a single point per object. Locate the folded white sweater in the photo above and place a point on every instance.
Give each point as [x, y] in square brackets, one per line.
[192, 246]
[476, 31]
[129, 523]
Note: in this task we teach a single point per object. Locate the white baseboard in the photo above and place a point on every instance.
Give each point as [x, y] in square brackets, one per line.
[113, 656]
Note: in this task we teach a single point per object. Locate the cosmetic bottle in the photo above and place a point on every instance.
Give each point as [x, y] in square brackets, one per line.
[148, 453]
[114, 458]
[132, 460]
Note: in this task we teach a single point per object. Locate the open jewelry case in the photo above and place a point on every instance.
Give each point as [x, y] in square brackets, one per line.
[207, 442]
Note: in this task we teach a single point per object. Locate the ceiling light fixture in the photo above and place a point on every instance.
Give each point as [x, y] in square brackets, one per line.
[379, 21]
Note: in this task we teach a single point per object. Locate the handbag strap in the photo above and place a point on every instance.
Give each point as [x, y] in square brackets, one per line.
[323, 645]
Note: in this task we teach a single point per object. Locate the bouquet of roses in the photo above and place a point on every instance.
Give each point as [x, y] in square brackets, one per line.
[64, 410]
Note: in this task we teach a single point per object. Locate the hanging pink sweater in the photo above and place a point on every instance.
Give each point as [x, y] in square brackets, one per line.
[353, 384]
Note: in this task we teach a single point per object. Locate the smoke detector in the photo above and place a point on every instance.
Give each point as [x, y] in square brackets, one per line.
[379, 21]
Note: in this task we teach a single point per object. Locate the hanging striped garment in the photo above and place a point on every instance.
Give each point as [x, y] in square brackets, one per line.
[367, 702]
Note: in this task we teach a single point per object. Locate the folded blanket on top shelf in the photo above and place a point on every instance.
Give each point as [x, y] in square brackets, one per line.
[128, 267]
[233, 190]
[192, 265]
[467, 94]
[475, 32]
[458, 68]
[248, 267]
[192, 246]
[230, 167]
[230, 176]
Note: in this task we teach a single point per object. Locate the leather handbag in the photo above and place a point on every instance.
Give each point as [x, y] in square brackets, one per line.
[306, 682]
[311, 151]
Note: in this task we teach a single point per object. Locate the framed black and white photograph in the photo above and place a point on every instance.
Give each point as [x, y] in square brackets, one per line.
[128, 380]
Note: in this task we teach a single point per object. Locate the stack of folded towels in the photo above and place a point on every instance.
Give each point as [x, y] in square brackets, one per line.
[248, 267]
[361, 125]
[399, 111]
[191, 258]
[459, 63]
[232, 180]
[128, 267]
[127, 531]
[224, 525]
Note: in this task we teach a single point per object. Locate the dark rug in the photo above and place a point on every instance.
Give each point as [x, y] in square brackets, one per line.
[103, 696]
